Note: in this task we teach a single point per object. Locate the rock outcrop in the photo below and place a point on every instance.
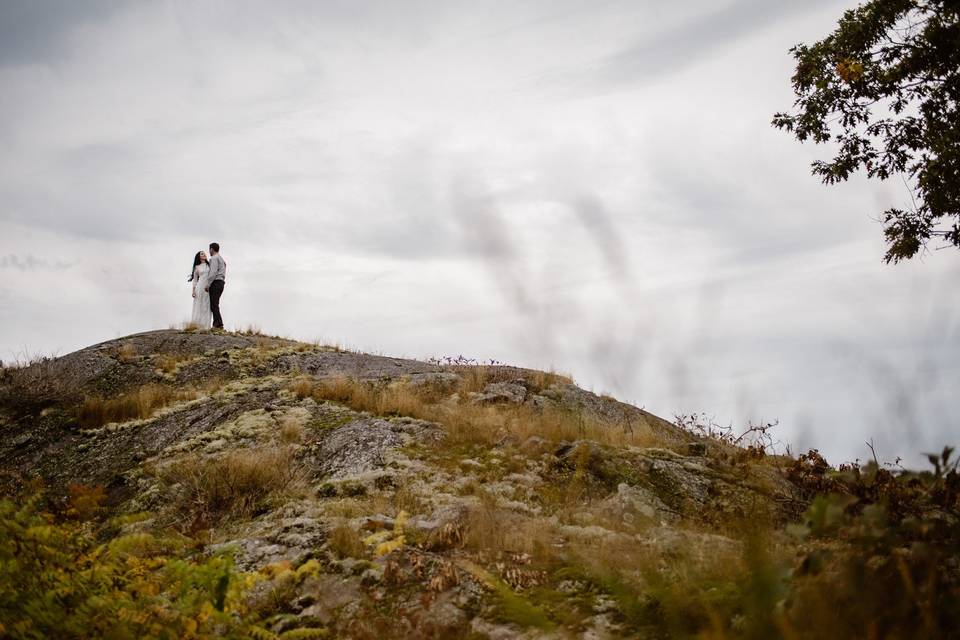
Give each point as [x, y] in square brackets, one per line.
[434, 500]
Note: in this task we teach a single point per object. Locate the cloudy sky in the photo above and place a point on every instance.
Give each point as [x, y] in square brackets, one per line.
[591, 186]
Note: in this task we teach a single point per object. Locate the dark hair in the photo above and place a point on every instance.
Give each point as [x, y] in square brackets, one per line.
[196, 261]
[214, 247]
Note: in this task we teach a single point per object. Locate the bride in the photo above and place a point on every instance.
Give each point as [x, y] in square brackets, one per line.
[202, 317]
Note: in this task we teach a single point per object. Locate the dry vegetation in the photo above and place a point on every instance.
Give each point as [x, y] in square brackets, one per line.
[127, 354]
[234, 484]
[470, 423]
[30, 381]
[346, 542]
[186, 327]
[291, 430]
[538, 527]
[142, 403]
[759, 582]
[168, 363]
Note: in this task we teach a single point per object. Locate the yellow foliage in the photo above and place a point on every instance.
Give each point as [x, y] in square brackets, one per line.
[377, 538]
[309, 568]
[389, 541]
[304, 634]
[849, 70]
[259, 633]
[57, 580]
[389, 546]
[276, 569]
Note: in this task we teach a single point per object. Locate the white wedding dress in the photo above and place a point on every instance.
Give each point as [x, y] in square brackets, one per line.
[201, 316]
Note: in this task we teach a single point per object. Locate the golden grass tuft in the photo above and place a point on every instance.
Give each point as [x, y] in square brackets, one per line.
[169, 362]
[347, 508]
[346, 542]
[488, 528]
[251, 330]
[265, 344]
[211, 385]
[303, 387]
[545, 379]
[234, 484]
[406, 498]
[345, 390]
[291, 430]
[140, 404]
[31, 380]
[473, 379]
[186, 327]
[126, 354]
[469, 423]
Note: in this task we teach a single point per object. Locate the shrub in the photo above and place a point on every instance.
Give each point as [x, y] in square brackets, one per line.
[883, 550]
[876, 559]
[31, 383]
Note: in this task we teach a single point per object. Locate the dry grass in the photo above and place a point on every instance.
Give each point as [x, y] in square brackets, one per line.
[303, 387]
[700, 592]
[491, 529]
[234, 484]
[169, 362]
[545, 379]
[473, 379]
[334, 346]
[347, 508]
[127, 354]
[346, 542]
[291, 430]
[264, 343]
[97, 411]
[211, 384]
[30, 381]
[467, 423]
[251, 330]
[186, 327]
[406, 498]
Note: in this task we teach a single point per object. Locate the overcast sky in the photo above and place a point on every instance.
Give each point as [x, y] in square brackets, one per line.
[589, 186]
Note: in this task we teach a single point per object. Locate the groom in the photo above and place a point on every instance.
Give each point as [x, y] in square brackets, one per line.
[215, 282]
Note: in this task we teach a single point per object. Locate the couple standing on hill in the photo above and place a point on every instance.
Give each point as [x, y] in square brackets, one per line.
[208, 277]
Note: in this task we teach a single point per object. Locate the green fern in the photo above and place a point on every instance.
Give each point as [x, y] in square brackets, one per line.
[57, 581]
[305, 634]
[259, 633]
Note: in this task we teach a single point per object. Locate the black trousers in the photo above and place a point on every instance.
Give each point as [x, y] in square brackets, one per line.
[216, 290]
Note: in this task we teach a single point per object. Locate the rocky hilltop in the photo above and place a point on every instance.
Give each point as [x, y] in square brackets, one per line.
[344, 494]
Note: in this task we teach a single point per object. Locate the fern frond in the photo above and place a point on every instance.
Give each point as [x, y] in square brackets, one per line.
[305, 634]
[259, 633]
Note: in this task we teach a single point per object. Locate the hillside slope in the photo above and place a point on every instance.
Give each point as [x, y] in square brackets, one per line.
[361, 495]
